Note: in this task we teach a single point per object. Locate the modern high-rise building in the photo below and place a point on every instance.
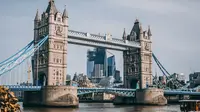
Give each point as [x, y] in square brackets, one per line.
[99, 66]
[96, 63]
[111, 66]
[90, 63]
[101, 58]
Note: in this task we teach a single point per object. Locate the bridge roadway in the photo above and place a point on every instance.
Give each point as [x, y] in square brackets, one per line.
[93, 40]
[119, 91]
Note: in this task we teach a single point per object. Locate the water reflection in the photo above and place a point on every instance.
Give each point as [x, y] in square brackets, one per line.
[107, 107]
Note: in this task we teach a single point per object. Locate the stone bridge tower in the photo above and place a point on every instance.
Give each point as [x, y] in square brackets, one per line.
[50, 63]
[138, 62]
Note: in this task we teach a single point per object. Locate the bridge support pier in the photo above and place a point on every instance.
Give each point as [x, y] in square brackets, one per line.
[52, 96]
[150, 96]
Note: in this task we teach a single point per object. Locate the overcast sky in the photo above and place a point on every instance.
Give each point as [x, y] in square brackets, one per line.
[175, 27]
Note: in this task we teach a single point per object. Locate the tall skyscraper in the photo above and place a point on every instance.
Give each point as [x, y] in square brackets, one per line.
[111, 66]
[90, 63]
[99, 66]
[96, 59]
[101, 58]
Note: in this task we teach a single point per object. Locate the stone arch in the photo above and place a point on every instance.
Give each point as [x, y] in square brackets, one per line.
[42, 79]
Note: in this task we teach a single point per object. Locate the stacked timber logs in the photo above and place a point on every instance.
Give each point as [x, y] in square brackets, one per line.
[8, 101]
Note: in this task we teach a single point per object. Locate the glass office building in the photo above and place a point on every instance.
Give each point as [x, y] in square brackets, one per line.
[96, 63]
[111, 66]
[90, 63]
[99, 66]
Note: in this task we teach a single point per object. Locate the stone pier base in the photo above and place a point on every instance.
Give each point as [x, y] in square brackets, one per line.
[52, 96]
[150, 96]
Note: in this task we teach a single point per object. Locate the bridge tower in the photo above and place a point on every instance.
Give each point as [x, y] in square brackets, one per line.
[50, 63]
[138, 62]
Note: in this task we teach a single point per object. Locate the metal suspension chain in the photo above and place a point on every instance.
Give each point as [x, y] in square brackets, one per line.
[175, 82]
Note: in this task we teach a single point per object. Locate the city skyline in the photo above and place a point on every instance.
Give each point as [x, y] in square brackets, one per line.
[174, 28]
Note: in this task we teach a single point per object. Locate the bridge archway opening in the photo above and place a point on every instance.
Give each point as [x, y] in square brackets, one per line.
[134, 84]
[42, 79]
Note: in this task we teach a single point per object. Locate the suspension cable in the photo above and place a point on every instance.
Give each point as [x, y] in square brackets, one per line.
[25, 55]
[27, 46]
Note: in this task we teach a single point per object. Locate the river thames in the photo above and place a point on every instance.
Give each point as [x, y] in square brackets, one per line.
[107, 107]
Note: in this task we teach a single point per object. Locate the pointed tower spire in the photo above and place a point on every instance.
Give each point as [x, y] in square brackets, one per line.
[65, 15]
[51, 7]
[37, 18]
[149, 31]
[124, 35]
[136, 21]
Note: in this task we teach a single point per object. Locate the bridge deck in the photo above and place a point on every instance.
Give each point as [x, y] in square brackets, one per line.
[83, 38]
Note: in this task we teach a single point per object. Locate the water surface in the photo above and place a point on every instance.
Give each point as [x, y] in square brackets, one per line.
[107, 107]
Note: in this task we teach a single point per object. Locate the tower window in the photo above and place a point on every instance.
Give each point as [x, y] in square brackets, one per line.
[147, 69]
[57, 73]
[59, 19]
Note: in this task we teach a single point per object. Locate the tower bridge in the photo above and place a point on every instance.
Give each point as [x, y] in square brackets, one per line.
[48, 53]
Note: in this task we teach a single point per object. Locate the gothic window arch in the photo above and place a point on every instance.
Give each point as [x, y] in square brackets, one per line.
[133, 69]
[59, 19]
